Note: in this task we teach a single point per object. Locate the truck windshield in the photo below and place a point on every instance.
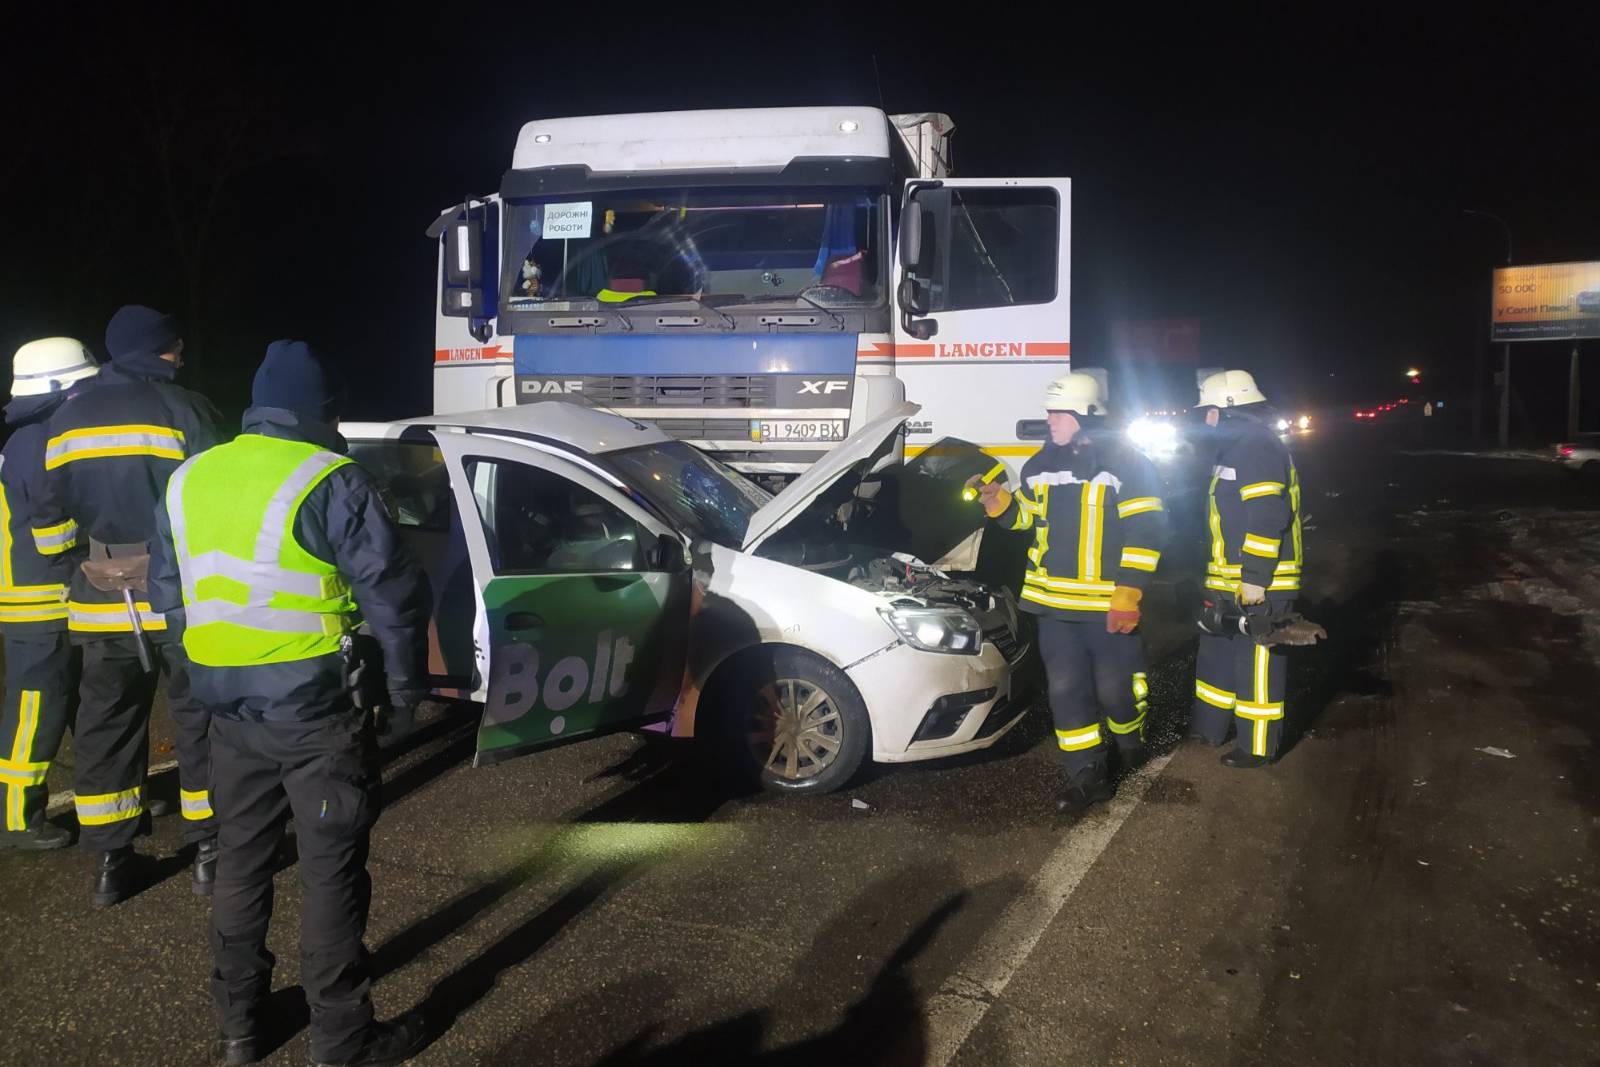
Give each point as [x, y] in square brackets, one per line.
[701, 496]
[726, 246]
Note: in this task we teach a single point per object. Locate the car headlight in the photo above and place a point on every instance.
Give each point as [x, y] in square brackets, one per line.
[1283, 424]
[1304, 422]
[936, 629]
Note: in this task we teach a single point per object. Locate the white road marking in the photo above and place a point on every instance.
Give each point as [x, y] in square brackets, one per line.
[63, 800]
[966, 996]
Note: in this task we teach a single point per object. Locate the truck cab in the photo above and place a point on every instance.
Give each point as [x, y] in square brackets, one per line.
[743, 280]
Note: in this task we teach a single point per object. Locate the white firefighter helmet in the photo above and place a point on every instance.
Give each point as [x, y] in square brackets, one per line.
[50, 365]
[1230, 389]
[1078, 393]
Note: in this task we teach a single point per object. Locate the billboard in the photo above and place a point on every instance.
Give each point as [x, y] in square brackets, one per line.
[1546, 302]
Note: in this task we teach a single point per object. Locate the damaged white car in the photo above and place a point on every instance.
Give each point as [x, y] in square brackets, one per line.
[592, 574]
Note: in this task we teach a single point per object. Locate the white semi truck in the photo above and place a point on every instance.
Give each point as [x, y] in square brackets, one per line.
[758, 281]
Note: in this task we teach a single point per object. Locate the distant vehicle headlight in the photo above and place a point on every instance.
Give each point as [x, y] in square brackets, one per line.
[1156, 439]
[1283, 425]
[1304, 422]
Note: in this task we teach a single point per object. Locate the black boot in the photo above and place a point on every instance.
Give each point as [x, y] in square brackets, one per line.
[1133, 757]
[205, 868]
[46, 836]
[1084, 790]
[238, 1051]
[386, 1044]
[114, 877]
[1239, 759]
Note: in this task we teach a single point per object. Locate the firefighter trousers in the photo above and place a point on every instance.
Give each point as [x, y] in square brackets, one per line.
[323, 773]
[112, 742]
[41, 701]
[1092, 676]
[1239, 680]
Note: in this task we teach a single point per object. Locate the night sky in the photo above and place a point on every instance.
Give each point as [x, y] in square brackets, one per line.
[1298, 187]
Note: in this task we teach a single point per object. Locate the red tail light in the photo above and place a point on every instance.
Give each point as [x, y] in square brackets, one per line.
[1566, 450]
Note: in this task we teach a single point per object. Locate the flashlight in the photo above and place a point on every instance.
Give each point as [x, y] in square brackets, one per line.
[970, 493]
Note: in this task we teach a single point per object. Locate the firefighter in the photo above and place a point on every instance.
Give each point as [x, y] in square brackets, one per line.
[275, 547]
[1094, 505]
[107, 457]
[41, 664]
[1255, 558]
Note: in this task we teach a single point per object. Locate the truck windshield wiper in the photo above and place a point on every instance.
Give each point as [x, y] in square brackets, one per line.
[838, 319]
[729, 322]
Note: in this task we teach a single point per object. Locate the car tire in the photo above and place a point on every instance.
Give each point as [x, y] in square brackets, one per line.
[790, 722]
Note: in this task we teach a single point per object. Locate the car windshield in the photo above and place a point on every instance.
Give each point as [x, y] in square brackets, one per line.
[727, 246]
[701, 496]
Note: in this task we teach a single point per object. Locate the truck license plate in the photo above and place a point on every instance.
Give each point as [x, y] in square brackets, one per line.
[797, 429]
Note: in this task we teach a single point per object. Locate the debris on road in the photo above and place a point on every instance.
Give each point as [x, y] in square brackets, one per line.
[860, 805]
[1490, 750]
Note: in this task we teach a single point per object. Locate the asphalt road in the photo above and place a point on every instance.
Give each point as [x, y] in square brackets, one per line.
[1387, 893]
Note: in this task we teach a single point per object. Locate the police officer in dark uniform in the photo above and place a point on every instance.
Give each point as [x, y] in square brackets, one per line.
[107, 459]
[1255, 560]
[1094, 505]
[42, 666]
[276, 547]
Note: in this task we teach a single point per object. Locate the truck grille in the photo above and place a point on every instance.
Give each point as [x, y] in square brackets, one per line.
[705, 429]
[681, 391]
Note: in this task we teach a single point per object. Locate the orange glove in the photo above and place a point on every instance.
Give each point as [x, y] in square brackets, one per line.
[995, 497]
[1123, 618]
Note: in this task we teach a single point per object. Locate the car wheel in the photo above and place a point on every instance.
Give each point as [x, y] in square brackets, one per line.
[793, 722]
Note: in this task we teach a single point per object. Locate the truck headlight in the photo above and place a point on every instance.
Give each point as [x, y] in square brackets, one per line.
[936, 629]
[1156, 439]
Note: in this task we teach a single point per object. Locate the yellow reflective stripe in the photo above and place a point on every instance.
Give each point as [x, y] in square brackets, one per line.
[1126, 727]
[1066, 603]
[19, 772]
[132, 439]
[1078, 740]
[196, 804]
[1261, 546]
[5, 539]
[1223, 585]
[1284, 585]
[1140, 559]
[1141, 691]
[45, 612]
[1138, 505]
[1217, 698]
[54, 540]
[1219, 550]
[1069, 585]
[1249, 710]
[1091, 530]
[104, 808]
[111, 618]
[1259, 489]
[1263, 667]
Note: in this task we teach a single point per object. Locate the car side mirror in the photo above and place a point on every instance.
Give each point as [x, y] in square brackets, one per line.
[668, 555]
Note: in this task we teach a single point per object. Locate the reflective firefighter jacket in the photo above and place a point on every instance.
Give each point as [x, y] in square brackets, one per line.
[1253, 511]
[108, 454]
[33, 586]
[1095, 508]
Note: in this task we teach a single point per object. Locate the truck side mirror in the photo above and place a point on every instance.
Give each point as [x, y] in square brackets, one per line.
[469, 271]
[911, 237]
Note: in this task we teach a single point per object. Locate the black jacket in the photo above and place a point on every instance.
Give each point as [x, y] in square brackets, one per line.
[109, 453]
[342, 521]
[1095, 507]
[33, 586]
[1254, 509]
